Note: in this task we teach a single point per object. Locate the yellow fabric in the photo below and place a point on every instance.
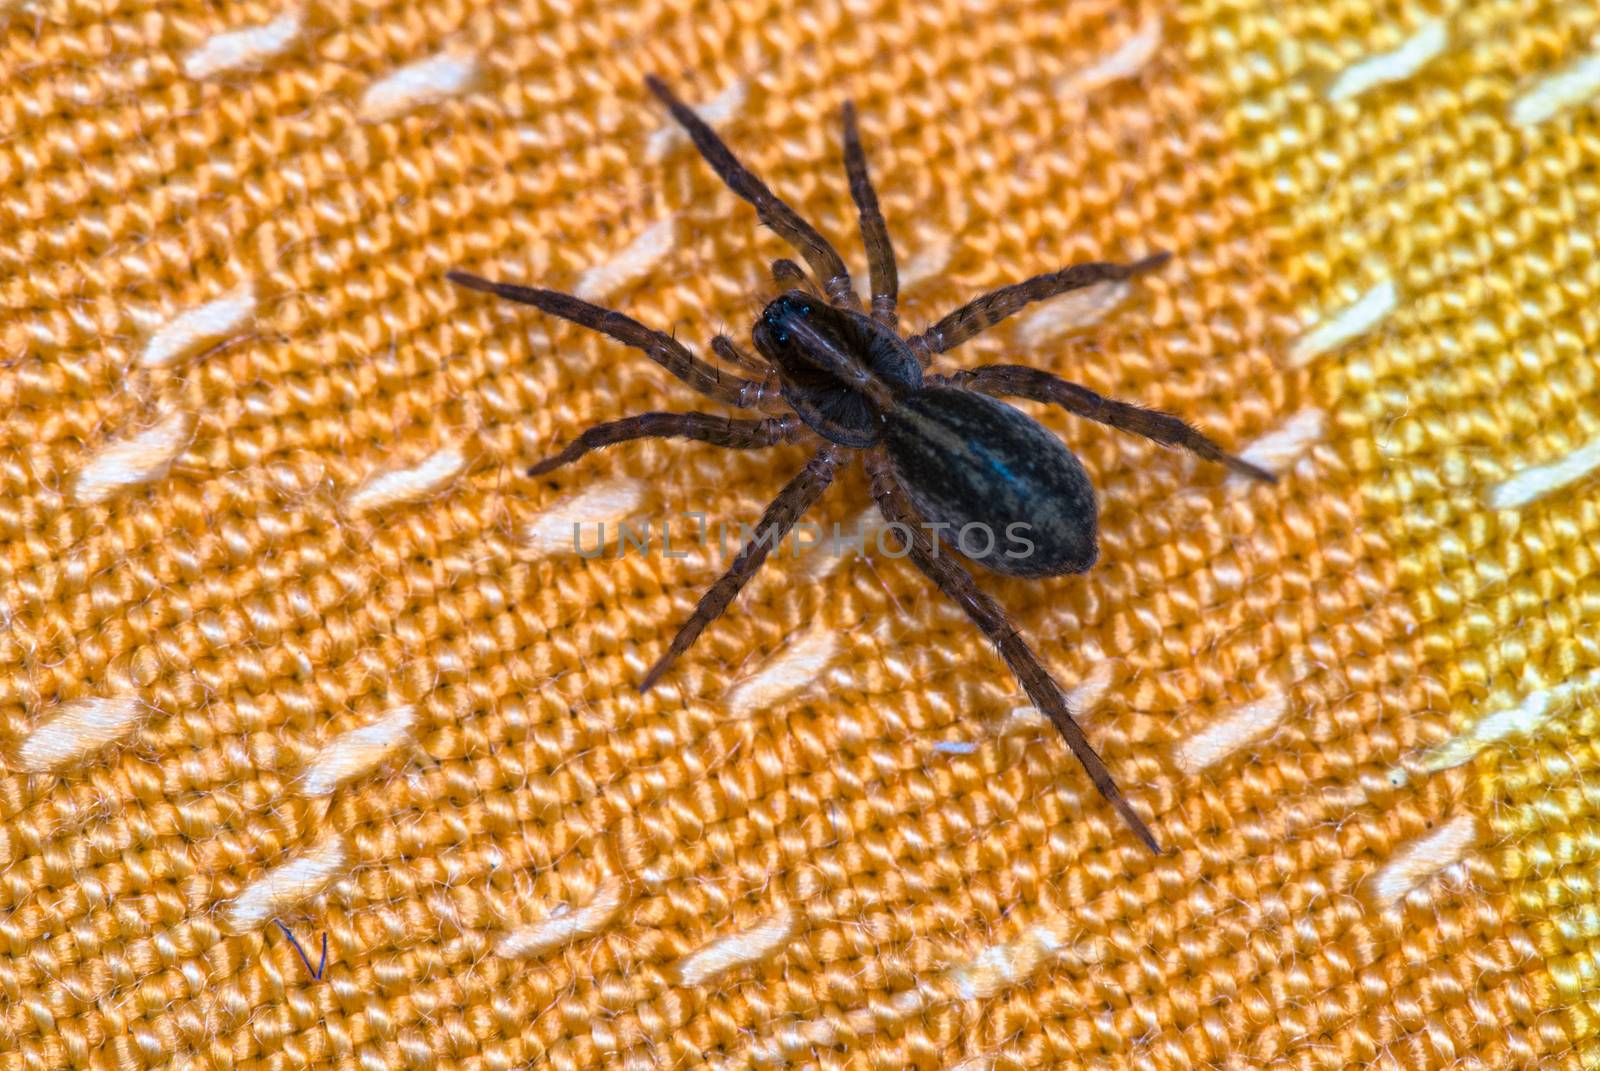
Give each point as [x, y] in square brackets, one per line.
[286, 638]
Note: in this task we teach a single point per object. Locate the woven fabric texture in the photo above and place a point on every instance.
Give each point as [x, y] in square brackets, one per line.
[290, 646]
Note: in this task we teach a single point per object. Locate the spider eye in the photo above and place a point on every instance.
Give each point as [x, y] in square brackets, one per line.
[780, 335]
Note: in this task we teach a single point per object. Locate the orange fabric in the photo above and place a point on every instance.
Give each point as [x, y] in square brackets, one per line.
[287, 644]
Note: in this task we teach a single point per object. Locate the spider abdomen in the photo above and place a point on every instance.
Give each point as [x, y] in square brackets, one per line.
[1015, 498]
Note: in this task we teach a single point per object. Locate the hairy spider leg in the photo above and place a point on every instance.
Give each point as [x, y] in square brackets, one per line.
[660, 347]
[874, 231]
[983, 312]
[1020, 381]
[790, 276]
[957, 583]
[736, 355]
[701, 427]
[824, 259]
[797, 496]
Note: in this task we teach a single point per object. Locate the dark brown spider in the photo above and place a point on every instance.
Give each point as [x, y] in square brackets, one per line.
[937, 448]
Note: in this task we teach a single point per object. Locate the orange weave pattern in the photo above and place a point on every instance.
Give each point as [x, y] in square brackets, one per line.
[288, 644]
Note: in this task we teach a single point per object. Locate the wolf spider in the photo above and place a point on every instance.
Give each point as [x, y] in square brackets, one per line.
[937, 447]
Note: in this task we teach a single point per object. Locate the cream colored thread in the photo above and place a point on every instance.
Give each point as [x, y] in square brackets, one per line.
[1072, 311]
[1415, 862]
[356, 752]
[1397, 65]
[565, 925]
[1128, 59]
[1351, 322]
[1535, 482]
[1556, 93]
[138, 460]
[821, 558]
[799, 663]
[821, 1033]
[1231, 732]
[724, 954]
[1277, 450]
[1001, 966]
[990, 971]
[716, 111]
[608, 502]
[1081, 700]
[635, 262]
[291, 883]
[191, 331]
[244, 47]
[77, 728]
[926, 263]
[1525, 717]
[408, 484]
[425, 82]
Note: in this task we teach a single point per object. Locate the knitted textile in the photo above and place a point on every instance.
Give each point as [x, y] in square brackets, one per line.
[289, 645]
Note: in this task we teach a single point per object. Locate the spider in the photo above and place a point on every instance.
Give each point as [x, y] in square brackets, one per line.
[940, 450]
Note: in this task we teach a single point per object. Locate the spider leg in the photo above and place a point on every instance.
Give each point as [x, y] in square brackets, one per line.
[792, 502]
[660, 347]
[823, 258]
[1023, 382]
[701, 427]
[736, 355]
[790, 276]
[982, 313]
[956, 582]
[874, 231]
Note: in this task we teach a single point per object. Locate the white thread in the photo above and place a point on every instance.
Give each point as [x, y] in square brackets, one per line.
[1397, 65]
[1231, 732]
[1072, 311]
[1127, 60]
[565, 925]
[750, 945]
[356, 752]
[1003, 965]
[77, 728]
[635, 262]
[1087, 693]
[798, 1037]
[1556, 93]
[800, 662]
[408, 484]
[1419, 860]
[141, 459]
[1081, 700]
[428, 81]
[193, 330]
[575, 521]
[291, 883]
[1351, 322]
[1525, 717]
[1277, 450]
[1536, 481]
[244, 47]
[716, 111]
[822, 557]
[926, 263]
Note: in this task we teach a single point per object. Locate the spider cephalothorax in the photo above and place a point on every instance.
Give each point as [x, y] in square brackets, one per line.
[943, 454]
